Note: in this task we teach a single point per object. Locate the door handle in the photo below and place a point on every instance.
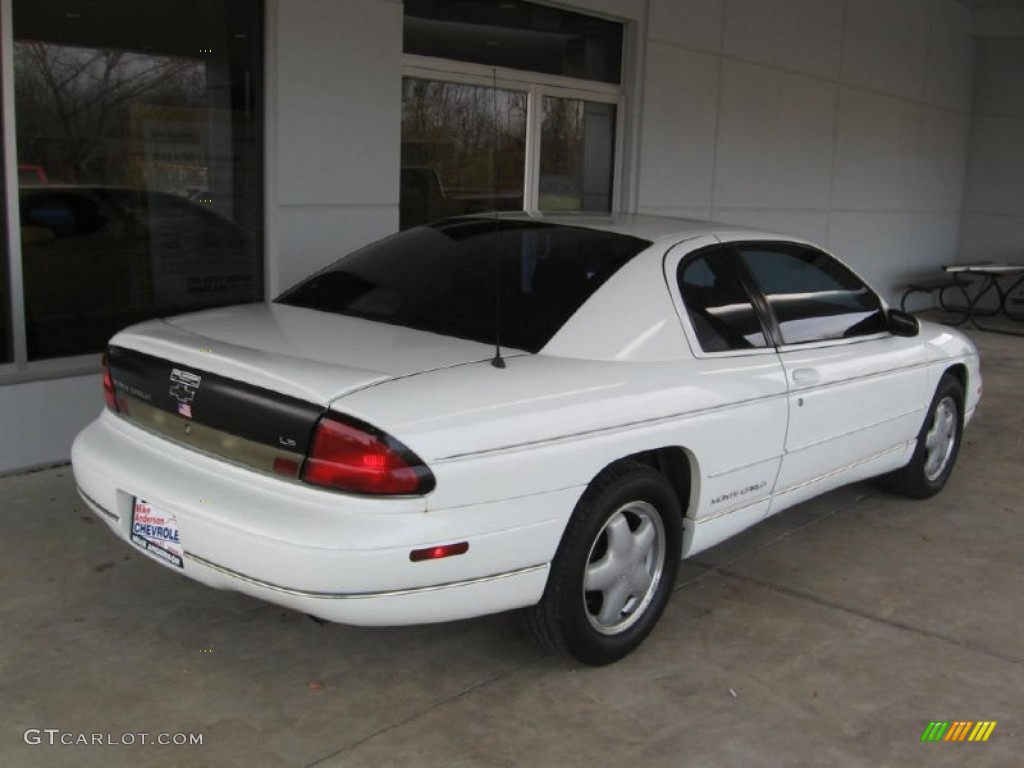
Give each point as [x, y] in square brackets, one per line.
[806, 376]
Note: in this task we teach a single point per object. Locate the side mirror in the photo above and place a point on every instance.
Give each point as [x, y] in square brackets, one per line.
[903, 323]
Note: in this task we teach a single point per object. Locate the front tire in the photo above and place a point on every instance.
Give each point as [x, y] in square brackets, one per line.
[938, 444]
[615, 567]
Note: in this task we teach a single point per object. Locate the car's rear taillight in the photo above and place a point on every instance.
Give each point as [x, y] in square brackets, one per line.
[348, 455]
[109, 393]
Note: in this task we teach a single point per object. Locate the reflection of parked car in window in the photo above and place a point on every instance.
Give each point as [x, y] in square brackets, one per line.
[423, 198]
[32, 174]
[97, 258]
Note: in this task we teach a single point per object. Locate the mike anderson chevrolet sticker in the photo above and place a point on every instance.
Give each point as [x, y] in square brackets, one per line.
[156, 531]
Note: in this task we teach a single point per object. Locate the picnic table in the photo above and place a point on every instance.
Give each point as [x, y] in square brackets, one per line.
[991, 276]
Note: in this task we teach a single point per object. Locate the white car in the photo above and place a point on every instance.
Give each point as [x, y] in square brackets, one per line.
[369, 449]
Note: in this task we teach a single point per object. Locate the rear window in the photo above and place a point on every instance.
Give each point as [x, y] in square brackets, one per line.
[446, 277]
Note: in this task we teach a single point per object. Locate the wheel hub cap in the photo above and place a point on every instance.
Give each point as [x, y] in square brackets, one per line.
[940, 439]
[624, 568]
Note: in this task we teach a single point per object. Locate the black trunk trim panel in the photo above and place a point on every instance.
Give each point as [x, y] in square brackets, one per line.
[215, 401]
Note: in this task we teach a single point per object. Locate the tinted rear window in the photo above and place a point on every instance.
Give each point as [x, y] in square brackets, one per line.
[445, 278]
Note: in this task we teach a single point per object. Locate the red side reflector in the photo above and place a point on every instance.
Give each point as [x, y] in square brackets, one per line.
[436, 553]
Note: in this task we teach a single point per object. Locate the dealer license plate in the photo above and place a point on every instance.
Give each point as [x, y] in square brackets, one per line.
[156, 531]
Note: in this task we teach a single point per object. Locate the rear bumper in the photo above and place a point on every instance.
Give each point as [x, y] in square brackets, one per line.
[338, 557]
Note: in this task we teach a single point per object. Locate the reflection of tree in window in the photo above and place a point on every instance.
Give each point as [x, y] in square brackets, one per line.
[463, 149]
[139, 155]
[576, 155]
[75, 105]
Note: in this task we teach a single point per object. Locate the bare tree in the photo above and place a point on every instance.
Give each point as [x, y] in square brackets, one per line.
[73, 104]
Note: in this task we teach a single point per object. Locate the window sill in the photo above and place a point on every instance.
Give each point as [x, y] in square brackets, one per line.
[44, 370]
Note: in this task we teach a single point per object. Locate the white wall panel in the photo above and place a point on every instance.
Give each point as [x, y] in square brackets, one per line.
[314, 237]
[1000, 77]
[886, 46]
[691, 23]
[845, 121]
[993, 220]
[775, 139]
[41, 418]
[996, 238]
[338, 101]
[811, 225]
[933, 241]
[942, 160]
[876, 154]
[950, 56]
[702, 213]
[995, 178]
[877, 245]
[801, 35]
[678, 130]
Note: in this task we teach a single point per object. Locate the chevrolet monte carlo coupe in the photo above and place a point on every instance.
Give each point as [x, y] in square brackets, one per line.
[491, 413]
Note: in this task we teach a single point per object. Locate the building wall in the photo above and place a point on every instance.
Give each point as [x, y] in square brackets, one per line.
[844, 122]
[41, 418]
[993, 218]
[334, 100]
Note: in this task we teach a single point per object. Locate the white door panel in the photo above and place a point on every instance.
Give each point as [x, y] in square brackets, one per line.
[738, 445]
[817, 461]
[738, 448]
[866, 398]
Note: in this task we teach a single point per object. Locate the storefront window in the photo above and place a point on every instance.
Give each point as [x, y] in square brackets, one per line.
[531, 37]
[139, 146]
[462, 150]
[472, 138]
[6, 331]
[577, 147]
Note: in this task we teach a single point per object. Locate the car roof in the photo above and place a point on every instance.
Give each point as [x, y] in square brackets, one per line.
[646, 227]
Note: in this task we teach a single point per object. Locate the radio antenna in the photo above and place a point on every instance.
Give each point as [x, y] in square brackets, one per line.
[497, 361]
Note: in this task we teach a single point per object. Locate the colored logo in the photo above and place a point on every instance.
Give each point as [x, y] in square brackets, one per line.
[958, 730]
[183, 389]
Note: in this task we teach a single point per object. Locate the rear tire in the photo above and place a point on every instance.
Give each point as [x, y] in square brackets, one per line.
[615, 567]
[938, 444]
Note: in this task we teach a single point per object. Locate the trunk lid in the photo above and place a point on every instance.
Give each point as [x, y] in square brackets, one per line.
[249, 383]
[302, 353]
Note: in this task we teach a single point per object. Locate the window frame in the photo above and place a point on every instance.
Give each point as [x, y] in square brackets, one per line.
[689, 251]
[751, 282]
[727, 259]
[536, 86]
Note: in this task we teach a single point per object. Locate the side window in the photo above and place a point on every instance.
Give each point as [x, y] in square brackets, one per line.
[719, 307]
[813, 296]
